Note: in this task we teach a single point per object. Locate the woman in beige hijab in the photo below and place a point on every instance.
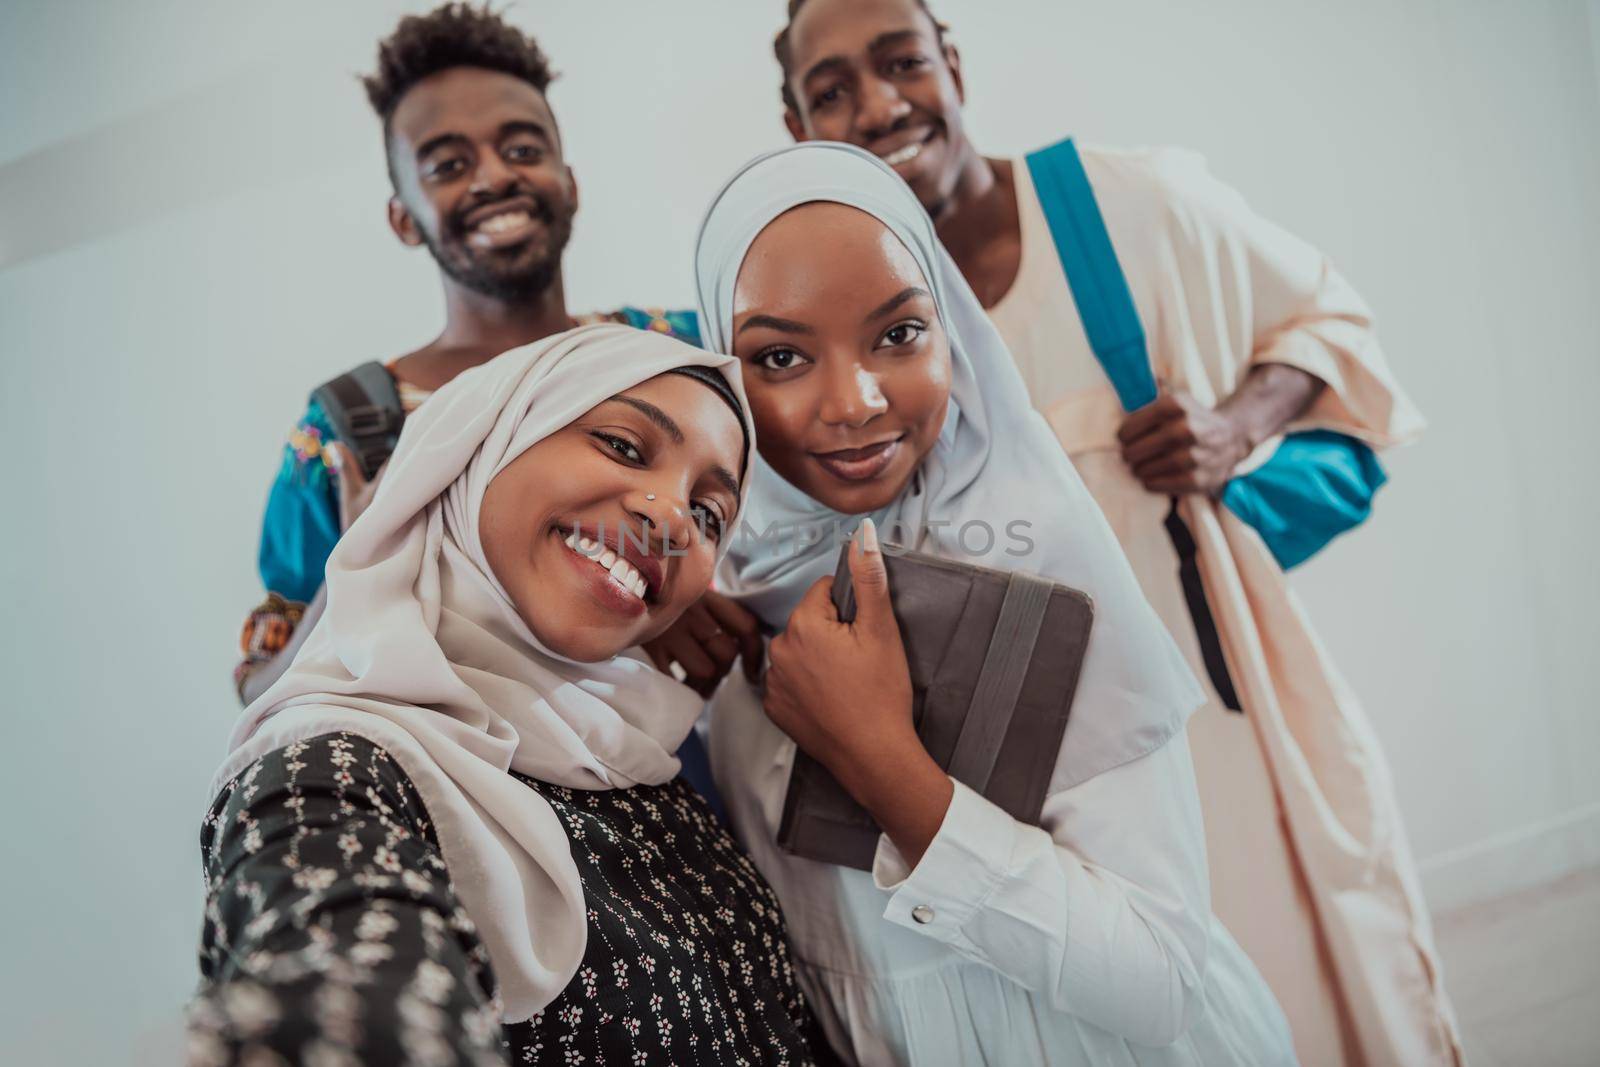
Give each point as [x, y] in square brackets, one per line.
[459, 808]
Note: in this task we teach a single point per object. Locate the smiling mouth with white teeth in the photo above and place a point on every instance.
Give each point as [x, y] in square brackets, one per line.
[906, 153]
[505, 228]
[497, 224]
[622, 572]
[903, 155]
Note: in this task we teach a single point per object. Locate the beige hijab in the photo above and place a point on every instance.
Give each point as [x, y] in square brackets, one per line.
[421, 652]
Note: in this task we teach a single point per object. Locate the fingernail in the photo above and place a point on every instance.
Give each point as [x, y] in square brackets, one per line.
[869, 535]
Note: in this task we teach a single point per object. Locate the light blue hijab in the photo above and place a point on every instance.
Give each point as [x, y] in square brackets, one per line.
[996, 461]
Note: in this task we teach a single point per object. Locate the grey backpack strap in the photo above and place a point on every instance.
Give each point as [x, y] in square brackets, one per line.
[364, 409]
[994, 699]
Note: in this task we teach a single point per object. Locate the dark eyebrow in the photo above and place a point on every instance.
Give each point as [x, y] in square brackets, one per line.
[433, 143]
[893, 37]
[823, 66]
[655, 415]
[726, 479]
[879, 43]
[909, 293]
[527, 126]
[772, 322]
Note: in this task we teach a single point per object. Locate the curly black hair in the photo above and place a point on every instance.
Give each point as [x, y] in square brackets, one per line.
[451, 35]
[780, 46]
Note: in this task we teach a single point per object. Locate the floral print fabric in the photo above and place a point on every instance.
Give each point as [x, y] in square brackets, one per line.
[687, 960]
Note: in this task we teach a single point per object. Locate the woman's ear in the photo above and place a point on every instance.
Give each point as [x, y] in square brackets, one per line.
[404, 226]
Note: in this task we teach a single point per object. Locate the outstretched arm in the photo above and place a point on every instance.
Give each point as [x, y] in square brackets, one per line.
[332, 932]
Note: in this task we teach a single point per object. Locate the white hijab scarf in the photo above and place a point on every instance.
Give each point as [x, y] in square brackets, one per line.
[420, 651]
[996, 461]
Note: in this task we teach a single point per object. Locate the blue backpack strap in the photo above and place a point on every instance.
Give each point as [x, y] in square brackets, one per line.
[1111, 322]
[1099, 288]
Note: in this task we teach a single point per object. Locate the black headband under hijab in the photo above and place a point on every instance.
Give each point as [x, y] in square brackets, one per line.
[719, 385]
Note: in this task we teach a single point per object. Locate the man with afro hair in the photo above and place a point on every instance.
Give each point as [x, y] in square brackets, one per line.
[478, 179]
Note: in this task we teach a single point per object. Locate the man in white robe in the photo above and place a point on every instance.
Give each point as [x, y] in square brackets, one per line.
[1251, 333]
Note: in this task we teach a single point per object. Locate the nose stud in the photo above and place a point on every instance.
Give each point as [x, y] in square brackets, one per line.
[649, 496]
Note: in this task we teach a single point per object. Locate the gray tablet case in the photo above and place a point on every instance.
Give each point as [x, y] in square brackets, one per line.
[994, 657]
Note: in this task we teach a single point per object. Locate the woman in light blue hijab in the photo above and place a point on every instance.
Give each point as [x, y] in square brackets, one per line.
[883, 398]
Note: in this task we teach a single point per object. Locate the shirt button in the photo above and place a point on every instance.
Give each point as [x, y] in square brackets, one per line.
[922, 914]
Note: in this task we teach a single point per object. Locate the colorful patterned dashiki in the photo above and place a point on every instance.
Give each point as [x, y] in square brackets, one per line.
[302, 520]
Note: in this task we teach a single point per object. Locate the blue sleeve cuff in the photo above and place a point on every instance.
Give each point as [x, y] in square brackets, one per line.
[301, 524]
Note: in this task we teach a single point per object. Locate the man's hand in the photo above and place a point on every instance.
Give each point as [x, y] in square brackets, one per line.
[1177, 445]
[706, 640]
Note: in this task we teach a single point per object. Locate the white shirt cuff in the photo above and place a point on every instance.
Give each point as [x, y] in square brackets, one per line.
[967, 859]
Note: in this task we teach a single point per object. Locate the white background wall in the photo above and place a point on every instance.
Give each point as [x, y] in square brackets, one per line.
[192, 236]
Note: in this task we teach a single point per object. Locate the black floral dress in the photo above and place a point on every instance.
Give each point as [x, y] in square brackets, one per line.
[333, 936]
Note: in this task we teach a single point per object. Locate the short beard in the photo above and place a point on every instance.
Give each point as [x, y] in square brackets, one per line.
[508, 284]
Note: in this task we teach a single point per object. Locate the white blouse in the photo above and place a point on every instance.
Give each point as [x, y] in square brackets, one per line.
[1086, 940]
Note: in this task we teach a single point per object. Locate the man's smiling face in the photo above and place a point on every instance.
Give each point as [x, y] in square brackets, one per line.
[874, 73]
[480, 180]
